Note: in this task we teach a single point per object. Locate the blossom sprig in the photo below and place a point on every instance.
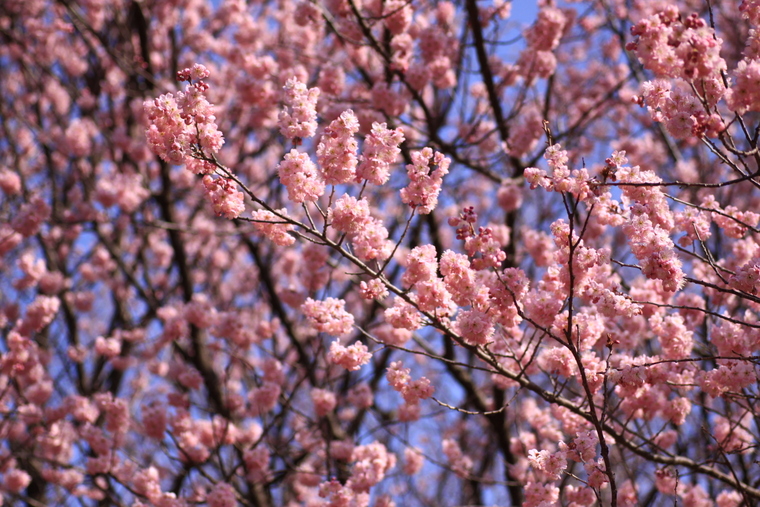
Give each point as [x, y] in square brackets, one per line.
[298, 119]
[179, 123]
[481, 243]
[426, 174]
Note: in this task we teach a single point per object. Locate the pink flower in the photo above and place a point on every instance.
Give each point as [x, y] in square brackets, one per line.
[222, 495]
[349, 214]
[263, 399]
[485, 245]
[380, 150]
[536, 178]
[421, 265]
[361, 396]
[15, 480]
[558, 361]
[77, 139]
[331, 79]
[386, 99]
[545, 33]
[351, 358]
[154, 419]
[397, 16]
[409, 412]
[369, 236]
[678, 409]
[339, 495]
[118, 418]
[402, 51]
[175, 124]
[39, 314]
[460, 279]
[596, 476]
[273, 227]
[729, 499]
[397, 375]
[540, 495]
[125, 190]
[510, 195]
[336, 152]
[412, 391]
[731, 376]
[402, 315]
[107, 347]
[82, 409]
[732, 436]
[666, 481]
[648, 229]
[675, 339]
[298, 119]
[413, 461]
[146, 483]
[226, 200]
[10, 182]
[299, 175]
[30, 217]
[324, 401]
[273, 371]
[194, 73]
[257, 464]
[534, 64]
[475, 327]
[433, 297]
[417, 390]
[671, 45]
[732, 220]
[371, 463]
[373, 289]
[200, 313]
[328, 316]
[460, 463]
[371, 241]
[426, 174]
[552, 464]
[391, 335]
[747, 277]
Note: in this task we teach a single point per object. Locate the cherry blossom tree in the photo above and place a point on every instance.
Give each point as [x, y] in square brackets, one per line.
[383, 252]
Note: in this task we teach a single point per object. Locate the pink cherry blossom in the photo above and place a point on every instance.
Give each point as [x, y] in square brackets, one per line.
[328, 316]
[273, 227]
[425, 178]
[324, 401]
[222, 495]
[379, 151]
[336, 152]
[298, 118]
[351, 358]
[225, 199]
[299, 175]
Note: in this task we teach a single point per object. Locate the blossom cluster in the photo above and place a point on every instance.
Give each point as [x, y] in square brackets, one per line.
[328, 316]
[380, 150]
[648, 230]
[273, 227]
[537, 60]
[370, 464]
[299, 175]
[298, 119]
[336, 152]
[367, 234]
[179, 123]
[426, 174]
